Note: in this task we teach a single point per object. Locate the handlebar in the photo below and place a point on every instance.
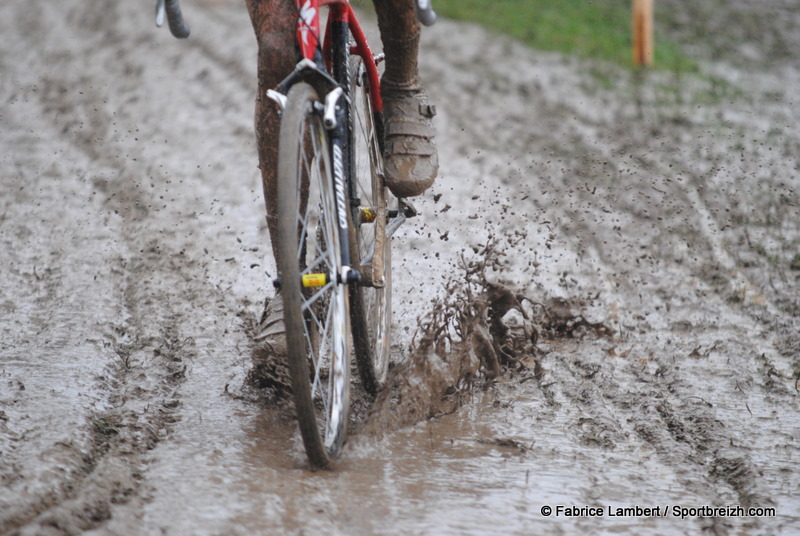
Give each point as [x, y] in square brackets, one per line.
[425, 12]
[177, 25]
[180, 29]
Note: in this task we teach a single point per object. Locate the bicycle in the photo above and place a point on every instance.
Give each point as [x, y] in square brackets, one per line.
[335, 223]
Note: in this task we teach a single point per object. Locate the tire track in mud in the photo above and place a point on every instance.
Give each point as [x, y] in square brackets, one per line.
[148, 344]
[141, 401]
[145, 363]
[612, 404]
[616, 399]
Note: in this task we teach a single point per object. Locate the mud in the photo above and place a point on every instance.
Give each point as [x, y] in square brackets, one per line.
[646, 237]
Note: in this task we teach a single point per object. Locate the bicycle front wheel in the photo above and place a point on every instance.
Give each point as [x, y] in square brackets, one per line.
[316, 303]
[372, 302]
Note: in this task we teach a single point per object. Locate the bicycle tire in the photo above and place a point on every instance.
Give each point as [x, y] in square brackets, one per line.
[317, 318]
[371, 307]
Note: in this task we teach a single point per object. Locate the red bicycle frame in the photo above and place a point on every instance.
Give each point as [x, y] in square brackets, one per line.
[308, 32]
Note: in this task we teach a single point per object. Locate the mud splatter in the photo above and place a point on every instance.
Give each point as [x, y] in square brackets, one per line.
[465, 342]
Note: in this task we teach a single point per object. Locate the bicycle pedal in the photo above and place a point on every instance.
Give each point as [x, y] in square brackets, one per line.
[368, 214]
[408, 209]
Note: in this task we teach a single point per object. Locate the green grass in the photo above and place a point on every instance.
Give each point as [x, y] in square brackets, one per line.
[598, 29]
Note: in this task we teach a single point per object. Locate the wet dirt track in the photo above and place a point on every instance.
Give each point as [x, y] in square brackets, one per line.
[134, 259]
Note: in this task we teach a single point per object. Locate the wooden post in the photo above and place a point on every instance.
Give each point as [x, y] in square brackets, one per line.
[643, 32]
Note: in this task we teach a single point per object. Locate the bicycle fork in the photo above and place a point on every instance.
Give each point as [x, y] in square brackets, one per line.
[337, 111]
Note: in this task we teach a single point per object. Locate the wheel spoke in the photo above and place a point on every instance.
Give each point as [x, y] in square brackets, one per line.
[317, 360]
[316, 296]
[311, 268]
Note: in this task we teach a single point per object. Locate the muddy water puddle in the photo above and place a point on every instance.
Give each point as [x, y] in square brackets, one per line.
[456, 474]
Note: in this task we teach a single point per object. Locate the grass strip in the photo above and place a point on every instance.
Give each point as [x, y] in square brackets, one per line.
[599, 29]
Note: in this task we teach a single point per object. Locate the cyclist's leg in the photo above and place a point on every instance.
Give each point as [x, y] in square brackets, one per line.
[410, 151]
[400, 33]
[274, 22]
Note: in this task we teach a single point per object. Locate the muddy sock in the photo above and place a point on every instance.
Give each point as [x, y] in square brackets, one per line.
[400, 33]
[401, 63]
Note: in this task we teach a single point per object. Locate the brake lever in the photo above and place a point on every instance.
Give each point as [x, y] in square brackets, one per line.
[161, 13]
[172, 10]
[425, 12]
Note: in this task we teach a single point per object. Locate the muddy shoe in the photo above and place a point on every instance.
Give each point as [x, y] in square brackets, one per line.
[411, 159]
[269, 353]
[271, 332]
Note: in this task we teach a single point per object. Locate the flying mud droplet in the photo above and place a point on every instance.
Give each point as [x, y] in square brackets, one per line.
[461, 344]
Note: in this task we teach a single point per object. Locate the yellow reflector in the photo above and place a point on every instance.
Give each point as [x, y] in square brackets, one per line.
[315, 280]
